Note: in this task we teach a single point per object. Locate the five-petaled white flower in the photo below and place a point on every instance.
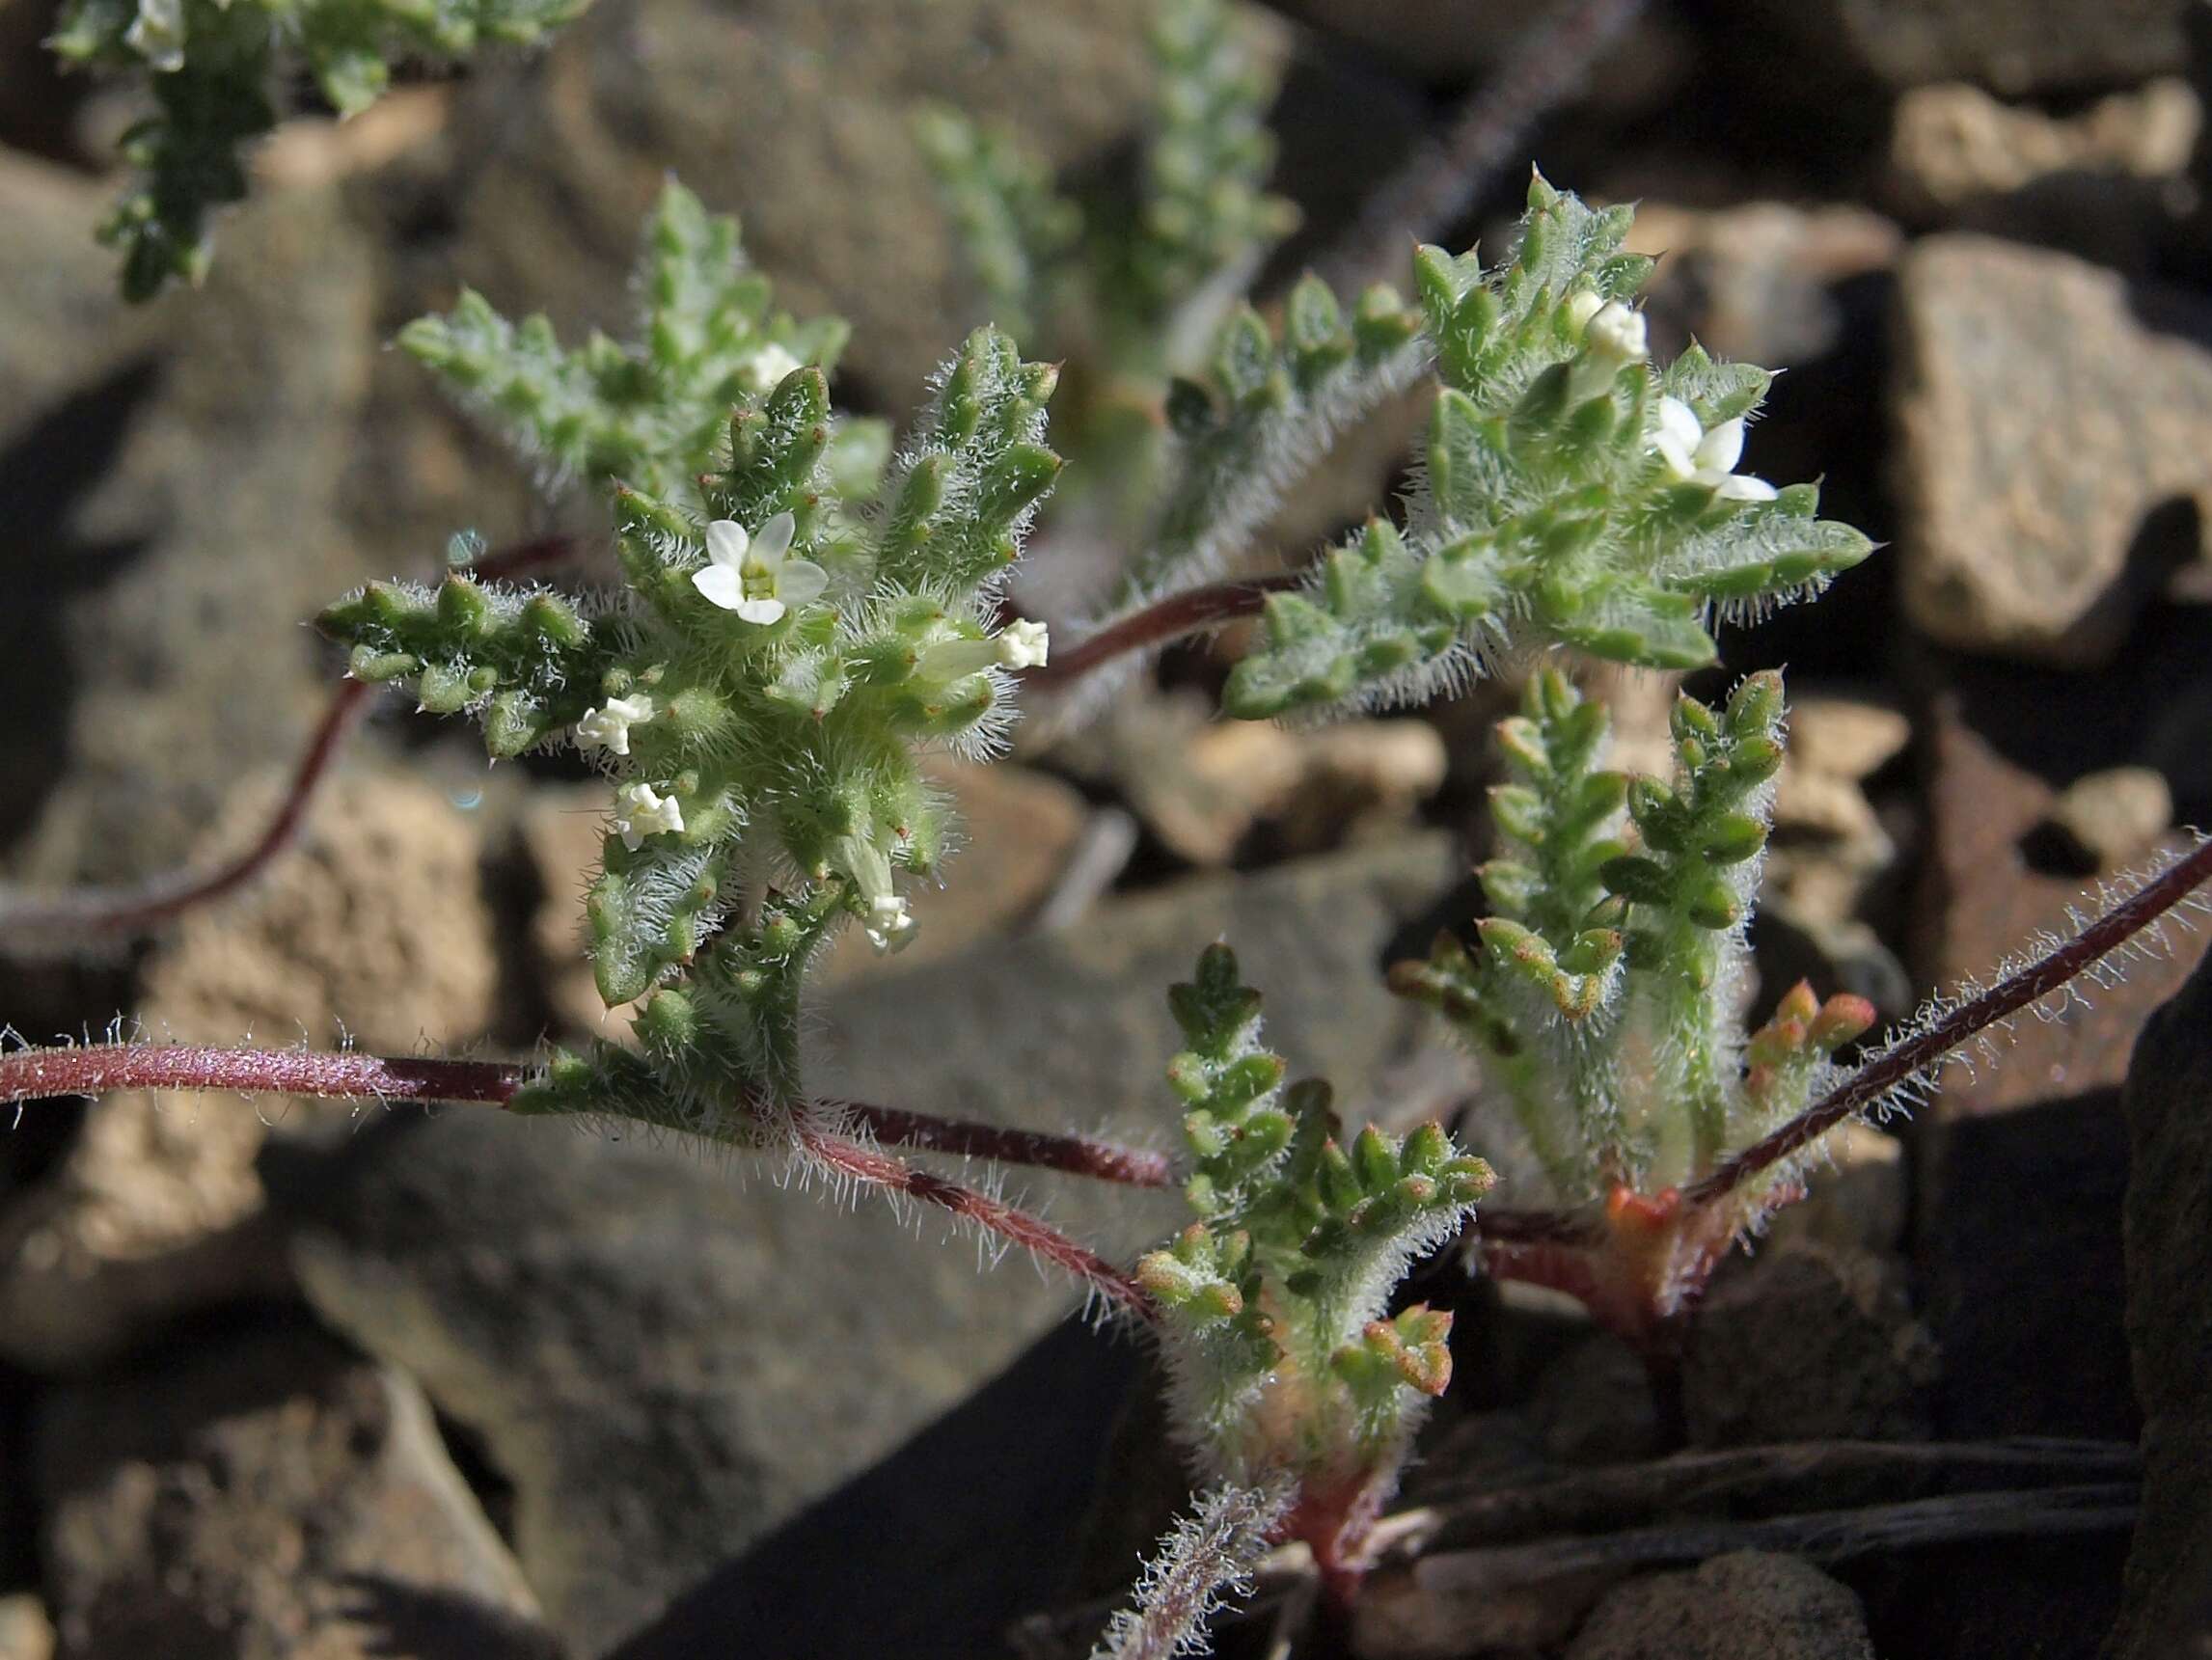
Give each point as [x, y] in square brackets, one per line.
[1618, 334]
[640, 812]
[1708, 458]
[764, 370]
[750, 572]
[608, 728]
[1024, 645]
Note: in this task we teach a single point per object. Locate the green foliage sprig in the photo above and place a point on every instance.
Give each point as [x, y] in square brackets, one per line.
[1573, 494]
[212, 69]
[1275, 1297]
[789, 638]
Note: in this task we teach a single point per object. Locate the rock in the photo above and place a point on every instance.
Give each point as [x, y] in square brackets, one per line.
[1829, 845]
[2167, 1611]
[1017, 829]
[270, 1495]
[1860, 1202]
[187, 460]
[1805, 1343]
[667, 1361]
[373, 927]
[1593, 1405]
[26, 1633]
[2033, 46]
[1202, 785]
[2044, 425]
[2110, 819]
[793, 113]
[1751, 1605]
[1954, 145]
[1983, 900]
[1757, 282]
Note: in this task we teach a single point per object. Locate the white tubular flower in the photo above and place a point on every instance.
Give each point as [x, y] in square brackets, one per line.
[157, 34]
[1708, 458]
[751, 574]
[1017, 645]
[640, 812]
[1025, 645]
[608, 728]
[764, 370]
[888, 925]
[1617, 333]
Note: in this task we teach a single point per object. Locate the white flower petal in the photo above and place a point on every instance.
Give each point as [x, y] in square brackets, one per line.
[721, 584]
[773, 540]
[1678, 425]
[1743, 487]
[1680, 461]
[759, 611]
[1024, 645]
[727, 542]
[1721, 449]
[955, 658]
[799, 581]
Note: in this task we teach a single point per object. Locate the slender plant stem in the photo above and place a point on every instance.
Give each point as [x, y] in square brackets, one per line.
[1076, 1155]
[1957, 1027]
[1446, 179]
[1161, 623]
[70, 918]
[842, 1155]
[94, 1068]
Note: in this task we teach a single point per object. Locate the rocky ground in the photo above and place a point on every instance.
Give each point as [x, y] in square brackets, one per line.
[287, 1381]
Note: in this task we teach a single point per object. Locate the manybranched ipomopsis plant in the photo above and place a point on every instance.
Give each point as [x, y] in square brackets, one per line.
[803, 613]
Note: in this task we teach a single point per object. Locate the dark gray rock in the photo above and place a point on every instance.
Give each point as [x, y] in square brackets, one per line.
[2167, 1607]
[667, 1355]
[2022, 46]
[268, 1496]
[1749, 1606]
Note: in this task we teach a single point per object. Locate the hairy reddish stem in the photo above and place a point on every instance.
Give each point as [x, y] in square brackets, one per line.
[94, 1068]
[1161, 623]
[1076, 1155]
[1960, 1026]
[844, 1157]
[141, 908]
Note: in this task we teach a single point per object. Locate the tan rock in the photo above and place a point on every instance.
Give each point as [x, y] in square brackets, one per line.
[2041, 420]
[1952, 144]
[26, 1633]
[371, 928]
[2111, 818]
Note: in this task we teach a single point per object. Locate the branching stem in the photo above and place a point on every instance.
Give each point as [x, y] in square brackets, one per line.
[1076, 1155]
[1161, 623]
[95, 1069]
[844, 1157]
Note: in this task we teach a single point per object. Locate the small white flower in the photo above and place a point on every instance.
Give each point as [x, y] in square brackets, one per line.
[1618, 335]
[1581, 305]
[888, 925]
[750, 573]
[764, 370]
[608, 728]
[1708, 458]
[640, 812]
[1025, 645]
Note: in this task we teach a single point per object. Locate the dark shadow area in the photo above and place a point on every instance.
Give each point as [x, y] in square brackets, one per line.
[2026, 1278]
[43, 476]
[425, 1622]
[933, 1553]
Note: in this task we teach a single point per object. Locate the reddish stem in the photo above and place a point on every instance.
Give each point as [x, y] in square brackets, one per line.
[843, 1157]
[1076, 1155]
[1958, 1026]
[1161, 623]
[145, 906]
[94, 1068]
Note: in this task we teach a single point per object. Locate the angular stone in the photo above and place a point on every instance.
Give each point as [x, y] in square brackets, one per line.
[2168, 1599]
[372, 926]
[2045, 427]
[667, 1356]
[270, 1496]
[2110, 819]
[1751, 1605]
[1955, 145]
[26, 1633]
[189, 459]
